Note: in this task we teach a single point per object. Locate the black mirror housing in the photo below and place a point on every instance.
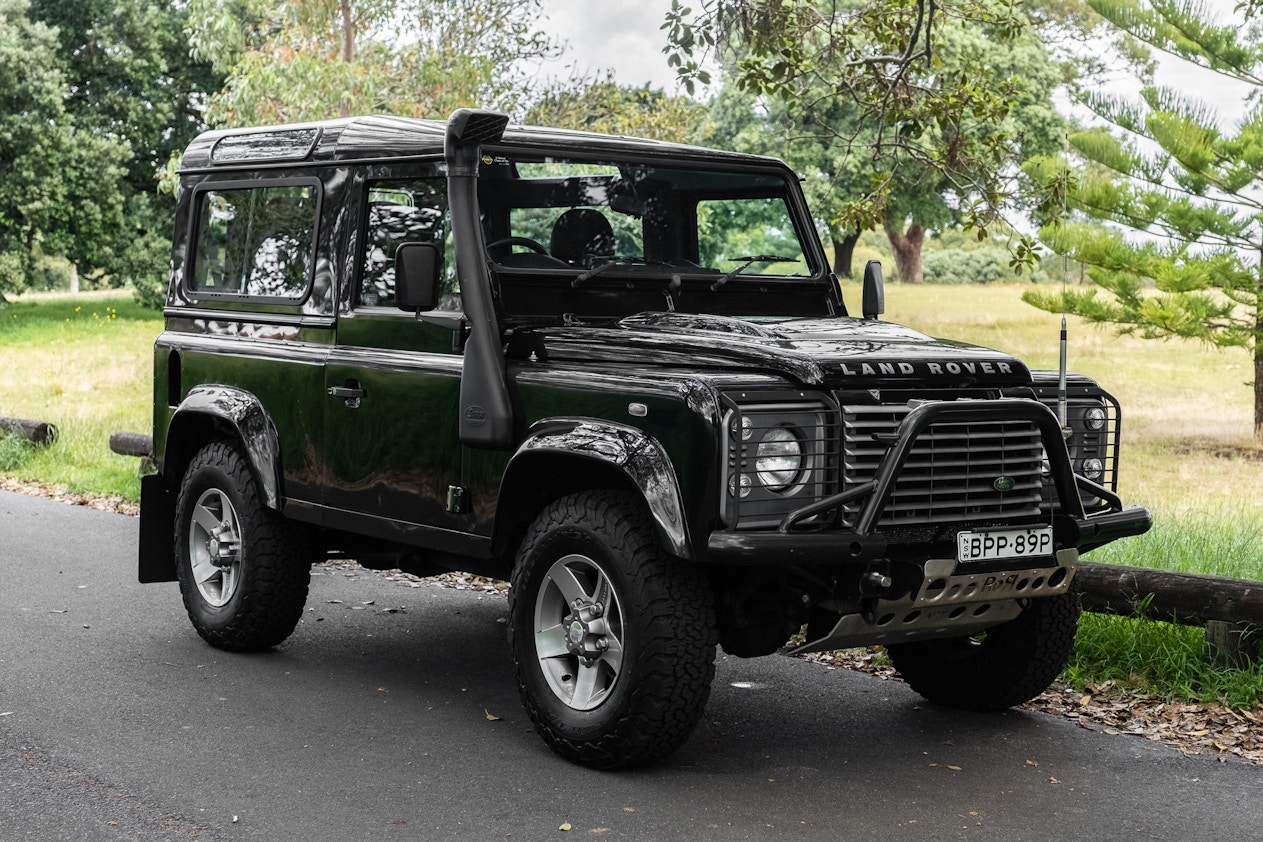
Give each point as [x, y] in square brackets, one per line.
[874, 303]
[417, 276]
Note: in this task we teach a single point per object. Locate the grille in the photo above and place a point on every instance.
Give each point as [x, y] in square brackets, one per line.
[951, 470]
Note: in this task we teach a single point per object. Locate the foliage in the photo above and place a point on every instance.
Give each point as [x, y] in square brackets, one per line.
[1169, 170]
[289, 62]
[15, 449]
[58, 181]
[604, 106]
[970, 266]
[908, 114]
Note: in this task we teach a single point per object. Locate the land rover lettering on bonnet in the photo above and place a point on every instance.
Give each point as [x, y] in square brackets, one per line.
[618, 374]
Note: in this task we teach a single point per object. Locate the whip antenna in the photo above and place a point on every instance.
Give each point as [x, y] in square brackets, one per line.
[1061, 372]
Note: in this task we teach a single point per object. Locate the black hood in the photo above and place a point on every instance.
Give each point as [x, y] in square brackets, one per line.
[838, 353]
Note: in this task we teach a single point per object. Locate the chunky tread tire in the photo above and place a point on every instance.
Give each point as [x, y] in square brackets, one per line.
[275, 560]
[1011, 664]
[669, 634]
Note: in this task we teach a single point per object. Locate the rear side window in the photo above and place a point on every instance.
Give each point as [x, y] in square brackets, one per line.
[255, 242]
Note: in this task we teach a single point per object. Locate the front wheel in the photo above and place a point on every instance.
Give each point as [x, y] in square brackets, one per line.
[999, 668]
[613, 639]
[243, 569]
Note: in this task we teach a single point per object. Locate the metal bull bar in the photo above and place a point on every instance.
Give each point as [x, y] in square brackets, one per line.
[1072, 526]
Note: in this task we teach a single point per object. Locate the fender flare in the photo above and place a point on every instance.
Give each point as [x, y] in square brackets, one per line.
[243, 414]
[628, 450]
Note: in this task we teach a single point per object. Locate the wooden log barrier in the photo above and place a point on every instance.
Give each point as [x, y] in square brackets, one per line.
[132, 444]
[1230, 609]
[36, 432]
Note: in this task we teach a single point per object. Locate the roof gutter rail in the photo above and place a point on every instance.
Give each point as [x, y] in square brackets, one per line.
[486, 410]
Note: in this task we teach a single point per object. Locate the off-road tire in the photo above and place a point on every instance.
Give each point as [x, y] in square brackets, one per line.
[265, 598]
[665, 627]
[1006, 666]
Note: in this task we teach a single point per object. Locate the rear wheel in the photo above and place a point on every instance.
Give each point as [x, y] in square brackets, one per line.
[243, 569]
[1002, 667]
[613, 639]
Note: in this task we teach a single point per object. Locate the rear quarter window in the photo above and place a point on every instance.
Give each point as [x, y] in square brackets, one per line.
[255, 241]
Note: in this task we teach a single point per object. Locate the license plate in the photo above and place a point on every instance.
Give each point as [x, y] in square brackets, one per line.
[997, 544]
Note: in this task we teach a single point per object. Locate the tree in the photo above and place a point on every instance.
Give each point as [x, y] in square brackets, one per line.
[1167, 169]
[908, 145]
[58, 182]
[602, 105]
[908, 115]
[130, 77]
[288, 62]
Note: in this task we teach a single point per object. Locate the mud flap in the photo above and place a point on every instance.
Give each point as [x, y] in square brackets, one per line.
[157, 531]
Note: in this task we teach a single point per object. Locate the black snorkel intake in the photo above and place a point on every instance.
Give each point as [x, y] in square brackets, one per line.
[486, 411]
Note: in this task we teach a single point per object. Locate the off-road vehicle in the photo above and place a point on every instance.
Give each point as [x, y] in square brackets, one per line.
[619, 374]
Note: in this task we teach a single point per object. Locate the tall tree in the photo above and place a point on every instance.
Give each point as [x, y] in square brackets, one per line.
[913, 112]
[288, 62]
[58, 182]
[130, 78]
[1168, 167]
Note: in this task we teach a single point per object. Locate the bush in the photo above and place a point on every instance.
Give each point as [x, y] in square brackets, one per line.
[972, 266]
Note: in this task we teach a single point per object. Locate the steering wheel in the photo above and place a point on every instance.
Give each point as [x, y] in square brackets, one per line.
[525, 242]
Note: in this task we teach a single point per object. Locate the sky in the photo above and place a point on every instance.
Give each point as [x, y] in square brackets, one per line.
[621, 35]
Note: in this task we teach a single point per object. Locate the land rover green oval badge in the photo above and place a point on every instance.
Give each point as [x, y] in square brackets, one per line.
[1003, 484]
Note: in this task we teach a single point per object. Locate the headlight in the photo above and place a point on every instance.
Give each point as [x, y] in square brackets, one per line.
[1094, 418]
[779, 458]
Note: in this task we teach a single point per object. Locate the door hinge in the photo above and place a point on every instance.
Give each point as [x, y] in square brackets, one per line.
[457, 500]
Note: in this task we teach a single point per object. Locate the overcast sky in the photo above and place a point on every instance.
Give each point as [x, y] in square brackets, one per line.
[620, 35]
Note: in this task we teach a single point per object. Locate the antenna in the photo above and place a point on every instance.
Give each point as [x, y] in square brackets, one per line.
[1061, 371]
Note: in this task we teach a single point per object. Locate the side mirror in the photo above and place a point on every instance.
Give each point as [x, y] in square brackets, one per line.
[417, 276]
[874, 290]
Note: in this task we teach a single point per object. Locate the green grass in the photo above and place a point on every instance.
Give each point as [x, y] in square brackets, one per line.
[85, 365]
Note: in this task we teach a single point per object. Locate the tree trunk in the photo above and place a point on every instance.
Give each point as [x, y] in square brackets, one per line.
[1258, 375]
[348, 45]
[74, 279]
[907, 251]
[844, 252]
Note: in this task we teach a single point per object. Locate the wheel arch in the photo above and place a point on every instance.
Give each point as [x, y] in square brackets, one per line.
[209, 413]
[564, 456]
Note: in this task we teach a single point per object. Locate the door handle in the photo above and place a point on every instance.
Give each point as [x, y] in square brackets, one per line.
[351, 393]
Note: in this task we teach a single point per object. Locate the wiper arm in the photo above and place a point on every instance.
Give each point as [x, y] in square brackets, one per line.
[615, 261]
[746, 263]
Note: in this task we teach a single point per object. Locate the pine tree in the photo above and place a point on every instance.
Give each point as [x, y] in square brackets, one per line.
[1168, 168]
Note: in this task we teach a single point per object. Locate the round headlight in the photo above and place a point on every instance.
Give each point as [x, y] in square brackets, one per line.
[1094, 418]
[1092, 468]
[779, 458]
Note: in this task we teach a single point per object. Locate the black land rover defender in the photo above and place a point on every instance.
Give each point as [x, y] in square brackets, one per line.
[619, 374]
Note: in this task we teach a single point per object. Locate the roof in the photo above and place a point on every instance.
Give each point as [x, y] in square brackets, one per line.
[378, 137]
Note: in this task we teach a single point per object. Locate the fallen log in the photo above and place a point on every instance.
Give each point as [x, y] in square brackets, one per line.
[1189, 598]
[131, 444]
[36, 432]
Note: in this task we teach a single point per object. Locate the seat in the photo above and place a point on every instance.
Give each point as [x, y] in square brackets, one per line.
[582, 237]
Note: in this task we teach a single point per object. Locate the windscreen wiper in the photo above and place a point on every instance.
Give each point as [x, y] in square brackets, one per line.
[626, 260]
[746, 263]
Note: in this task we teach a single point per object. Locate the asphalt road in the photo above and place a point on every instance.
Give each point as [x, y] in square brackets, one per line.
[118, 723]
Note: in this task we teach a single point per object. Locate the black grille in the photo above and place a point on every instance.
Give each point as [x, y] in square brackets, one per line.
[952, 471]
